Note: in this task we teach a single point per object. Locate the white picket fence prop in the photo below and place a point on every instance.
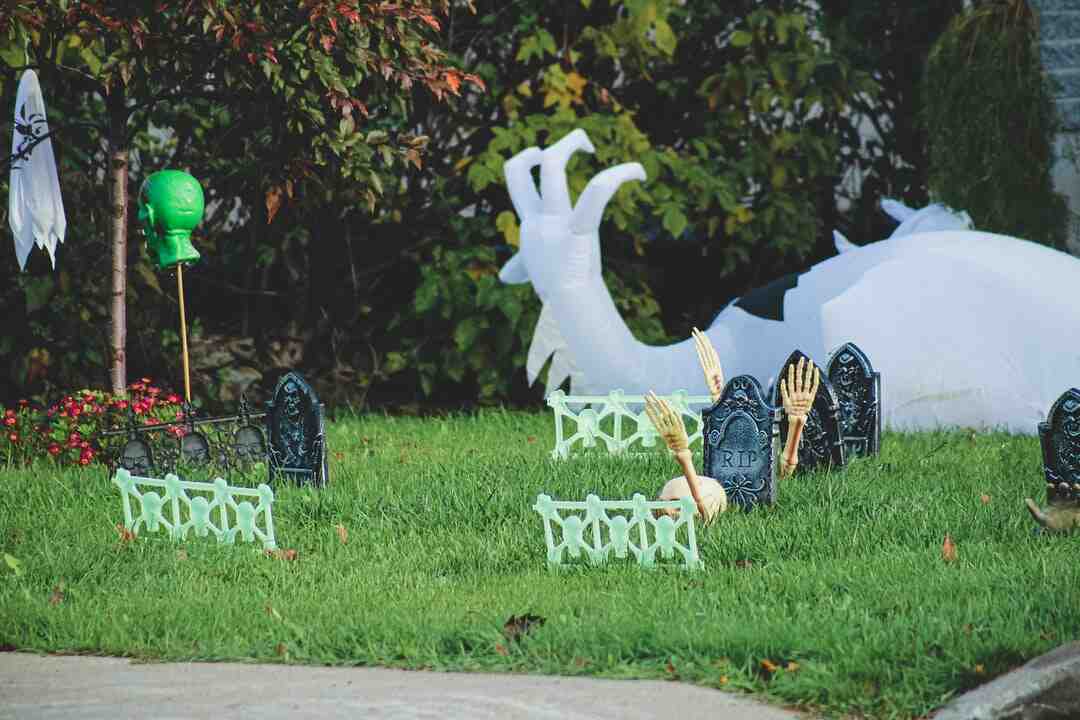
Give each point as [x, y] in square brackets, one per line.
[197, 510]
[616, 535]
[587, 421]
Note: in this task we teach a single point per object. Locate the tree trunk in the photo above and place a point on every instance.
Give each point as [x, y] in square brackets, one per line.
[118, 175]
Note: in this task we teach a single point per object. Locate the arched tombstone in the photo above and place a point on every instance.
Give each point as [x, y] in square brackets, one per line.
[1060, 438]
[296, 428]
[858, 389]
[822, 444]
[248, 441]
[194, 446]
[740, 439]
[136, 457]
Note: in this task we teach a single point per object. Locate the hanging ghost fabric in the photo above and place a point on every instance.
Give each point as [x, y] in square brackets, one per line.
[35, 208]
[967, 328]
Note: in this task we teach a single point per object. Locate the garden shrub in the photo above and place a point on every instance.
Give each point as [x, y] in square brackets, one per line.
[991, 122]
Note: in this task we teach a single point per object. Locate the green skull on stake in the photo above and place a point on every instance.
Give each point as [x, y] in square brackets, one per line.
[171, 205]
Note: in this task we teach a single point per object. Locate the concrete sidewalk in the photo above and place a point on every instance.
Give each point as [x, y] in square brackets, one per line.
[36, 687]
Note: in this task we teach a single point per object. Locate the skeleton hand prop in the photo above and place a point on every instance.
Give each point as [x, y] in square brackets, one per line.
[710, 364]
[797, 390]
[708, 494]
[1058, 517]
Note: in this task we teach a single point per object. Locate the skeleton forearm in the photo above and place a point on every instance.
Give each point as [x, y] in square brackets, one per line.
[789, 456]
[686, 462]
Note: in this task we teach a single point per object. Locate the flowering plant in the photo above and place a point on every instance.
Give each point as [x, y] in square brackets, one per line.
[67, 431]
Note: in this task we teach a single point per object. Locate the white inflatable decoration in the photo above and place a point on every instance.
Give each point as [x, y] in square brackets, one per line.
[967, 328]
[35, 208]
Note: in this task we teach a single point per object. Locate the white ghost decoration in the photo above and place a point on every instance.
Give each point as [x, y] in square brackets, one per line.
[35, 208]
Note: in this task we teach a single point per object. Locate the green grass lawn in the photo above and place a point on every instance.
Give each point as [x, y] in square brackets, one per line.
[841, 585]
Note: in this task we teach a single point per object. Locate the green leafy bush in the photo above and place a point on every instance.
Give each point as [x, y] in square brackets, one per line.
[991, 122]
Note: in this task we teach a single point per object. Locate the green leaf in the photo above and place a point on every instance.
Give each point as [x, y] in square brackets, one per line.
[674, 221]
[665, 37]
[467, 331]
[14, 563]
[38, 292]
[741, 38]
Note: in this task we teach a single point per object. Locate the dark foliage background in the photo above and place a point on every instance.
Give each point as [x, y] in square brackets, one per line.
[381, 286]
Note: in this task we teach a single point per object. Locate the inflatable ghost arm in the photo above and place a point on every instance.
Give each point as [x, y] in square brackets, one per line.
[560, 256]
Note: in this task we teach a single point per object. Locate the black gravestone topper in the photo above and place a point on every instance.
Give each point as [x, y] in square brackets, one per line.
[822, 443]
[295, 425]
[858, 388]
[1060, 438]
[740, 433]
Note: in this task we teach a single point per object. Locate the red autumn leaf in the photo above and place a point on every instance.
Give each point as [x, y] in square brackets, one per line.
[280, 554]
[327, 42]
[948, 549]
[501, 649]
[453, 79]
[57, 596]
[273, 203]
[126, 535]
[984, 499]
[430, 20]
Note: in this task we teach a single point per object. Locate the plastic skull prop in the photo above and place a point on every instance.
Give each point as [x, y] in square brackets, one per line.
[171, 205]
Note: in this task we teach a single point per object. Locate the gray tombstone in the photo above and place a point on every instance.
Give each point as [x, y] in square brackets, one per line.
[1060, 438]
[858, 388]
[296, 428]
[822, 444]
[194, 448]
[137, 458]
[740, 432]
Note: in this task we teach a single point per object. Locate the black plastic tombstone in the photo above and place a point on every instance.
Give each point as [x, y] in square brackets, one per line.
[858, 389]
[822, 443]
[297, 432]
[740, 434]
[1060, 438]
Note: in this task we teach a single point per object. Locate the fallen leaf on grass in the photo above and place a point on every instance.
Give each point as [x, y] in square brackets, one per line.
[272, 612]
[57, 596]
[280, 554]
[984, 499]
[342, 534]
[743, 564]
[531, 439]
[669, 666]
[769, 667]
[580, 662]
[338, 455]
[723, 680]
[792, 666]
[501, 649]
[520, 625]
[181, 555]
[282, 650]
[126, 535]
[980, 670]
[948, 549]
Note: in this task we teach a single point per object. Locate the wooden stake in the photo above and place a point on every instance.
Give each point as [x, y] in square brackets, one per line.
[183, 331]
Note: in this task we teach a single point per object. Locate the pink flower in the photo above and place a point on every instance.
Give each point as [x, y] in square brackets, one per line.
[54, 449]
[14, 437]
[172, 398]
[10, 421]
